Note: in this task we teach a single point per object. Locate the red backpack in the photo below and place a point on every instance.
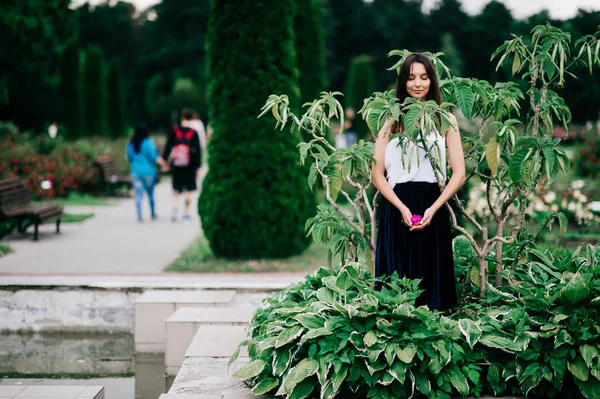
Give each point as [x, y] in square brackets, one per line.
[180, 154]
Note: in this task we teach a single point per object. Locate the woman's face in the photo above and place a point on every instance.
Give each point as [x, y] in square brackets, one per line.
[418, 82]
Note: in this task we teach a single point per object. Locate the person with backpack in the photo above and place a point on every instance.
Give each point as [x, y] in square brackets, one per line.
[184, 153]
[143, 157]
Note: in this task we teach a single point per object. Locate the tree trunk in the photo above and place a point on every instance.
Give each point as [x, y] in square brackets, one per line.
[482, 275]
[499, 233]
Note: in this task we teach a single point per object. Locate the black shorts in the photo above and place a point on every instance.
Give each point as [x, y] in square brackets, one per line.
[184, 179]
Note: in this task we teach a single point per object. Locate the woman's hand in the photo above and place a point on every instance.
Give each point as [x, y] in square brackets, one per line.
[425, 221]
[406, 214]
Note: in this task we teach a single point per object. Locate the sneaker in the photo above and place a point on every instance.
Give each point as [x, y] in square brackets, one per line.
[173, 218]
[187, 218]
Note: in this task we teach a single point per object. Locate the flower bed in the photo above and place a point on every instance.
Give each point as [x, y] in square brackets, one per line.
[49, 166]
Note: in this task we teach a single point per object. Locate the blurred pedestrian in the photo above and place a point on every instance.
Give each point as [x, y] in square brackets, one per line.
[198, 126]
[184, 154]
[350, 127]
[143, 157]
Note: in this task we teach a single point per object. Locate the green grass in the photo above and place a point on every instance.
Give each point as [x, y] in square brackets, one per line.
[76, 218]
[4, 249]
[198, 257]
[76, 199]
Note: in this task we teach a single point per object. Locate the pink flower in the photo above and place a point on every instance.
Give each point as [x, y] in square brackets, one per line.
[416, 219]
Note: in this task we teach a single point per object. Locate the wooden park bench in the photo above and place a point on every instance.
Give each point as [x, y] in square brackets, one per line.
[16, 207]
[109, 175]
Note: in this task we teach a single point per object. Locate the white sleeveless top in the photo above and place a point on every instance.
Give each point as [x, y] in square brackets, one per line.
[410, 164]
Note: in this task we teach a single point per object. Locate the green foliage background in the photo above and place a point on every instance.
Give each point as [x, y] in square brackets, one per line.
[95, 96]
[360, 85]
[310, 48]
[117, 107]
[71, 91]
[255, 199]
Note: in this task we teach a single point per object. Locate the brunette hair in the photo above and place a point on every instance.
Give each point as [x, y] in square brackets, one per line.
[434, 92]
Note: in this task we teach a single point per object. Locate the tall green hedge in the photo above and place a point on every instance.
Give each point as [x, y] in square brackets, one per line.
[255, 199]
[117, 106]
[310, 48]
[360, 85]
[71, 104]
[95, 98]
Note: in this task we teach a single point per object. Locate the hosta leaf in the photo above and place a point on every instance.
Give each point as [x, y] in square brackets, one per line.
[561, 338]
[310, 320]
[407, 353]
[470, 330]
[236, 354]
[281, 361]
[559, 365]
[386, 379]
[265, 386]
[496, 341]
[302, 390]
[288, 335]
[578, 368]
[390, 352]
[304, 369]
[338, 378]
[249, 370]
[493, 375]
[458, 380]
[445, 354]
[588, 353]
[589, 388]
[423, 384]
[318, 332]
[435, 366]
[576, 289]
[398, 370]
[370, 338]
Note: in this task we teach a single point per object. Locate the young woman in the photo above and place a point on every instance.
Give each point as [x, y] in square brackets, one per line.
[417, 249]
[143, 157]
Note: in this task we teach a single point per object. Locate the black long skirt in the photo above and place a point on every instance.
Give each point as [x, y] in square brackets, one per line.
[424, 254]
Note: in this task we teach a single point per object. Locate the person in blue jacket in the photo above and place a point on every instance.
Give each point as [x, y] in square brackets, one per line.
[143, 157]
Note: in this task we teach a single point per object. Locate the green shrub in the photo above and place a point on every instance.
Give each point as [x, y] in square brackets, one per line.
[333, 334]
[310, 48]
[70, 90]
[95, 99]
[360, 84]
[255, 199]
[117, 108]
[185, 93]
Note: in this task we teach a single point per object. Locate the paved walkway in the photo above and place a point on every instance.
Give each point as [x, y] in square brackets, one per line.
[112, 242]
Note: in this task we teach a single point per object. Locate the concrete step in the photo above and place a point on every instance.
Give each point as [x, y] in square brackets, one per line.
[153, 307]
[217, 341]
[183, 325]
[51, 392]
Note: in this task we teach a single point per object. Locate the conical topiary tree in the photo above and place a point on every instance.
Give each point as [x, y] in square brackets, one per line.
[71, 104]
[255, 199]
[117, 108]
[95, 98]
[360, 84]
[310, 48]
